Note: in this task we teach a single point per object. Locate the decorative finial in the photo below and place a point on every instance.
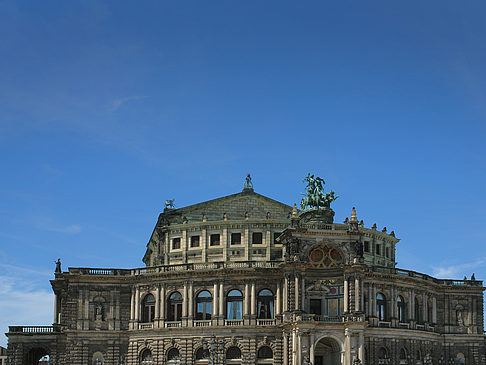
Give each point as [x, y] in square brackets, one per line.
[374, 227]
[361, 223]
[248, 185]
[384, 230]
[295, 211]
[473, 277]
[353, 215]
[392, 233]
[346, 220]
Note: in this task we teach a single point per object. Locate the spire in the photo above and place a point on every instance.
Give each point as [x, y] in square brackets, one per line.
[295, 212]
[353, 222]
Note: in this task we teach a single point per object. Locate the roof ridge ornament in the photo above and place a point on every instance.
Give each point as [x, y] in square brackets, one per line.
[248, 185]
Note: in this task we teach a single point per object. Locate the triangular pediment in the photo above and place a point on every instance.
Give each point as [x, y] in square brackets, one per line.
[238, 206]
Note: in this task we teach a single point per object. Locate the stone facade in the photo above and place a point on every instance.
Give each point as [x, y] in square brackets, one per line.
[245, 279]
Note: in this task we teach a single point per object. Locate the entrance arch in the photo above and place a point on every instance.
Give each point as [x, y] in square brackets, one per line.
[37, 356]
[327, 351]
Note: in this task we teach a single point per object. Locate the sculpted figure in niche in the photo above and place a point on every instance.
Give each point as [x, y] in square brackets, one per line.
[98, 311]
[459, 315]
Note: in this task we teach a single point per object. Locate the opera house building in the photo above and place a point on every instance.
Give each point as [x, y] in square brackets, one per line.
[245, 279]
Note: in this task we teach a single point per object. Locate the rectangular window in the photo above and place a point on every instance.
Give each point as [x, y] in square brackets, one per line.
[214, 240]
[378, 250]
[235, 238]
[367, 247]
[176, 243]
[194, 241]
[257, 238]
[388, 252]
[275, 236]
[315, 306]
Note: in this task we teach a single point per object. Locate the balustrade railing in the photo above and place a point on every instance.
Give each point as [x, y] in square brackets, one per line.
[34, 329]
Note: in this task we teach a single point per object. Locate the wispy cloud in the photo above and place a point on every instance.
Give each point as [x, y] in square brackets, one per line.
[117, 103]
[46, 224]
[457, 271]
[22, 300]
[31, 307]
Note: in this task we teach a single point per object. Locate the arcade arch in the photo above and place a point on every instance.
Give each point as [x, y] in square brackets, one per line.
[327, 351]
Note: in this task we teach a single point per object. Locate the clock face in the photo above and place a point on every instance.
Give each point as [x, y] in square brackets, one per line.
[325, 256]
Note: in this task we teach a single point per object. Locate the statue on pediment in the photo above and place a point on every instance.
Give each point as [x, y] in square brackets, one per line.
[314, 196]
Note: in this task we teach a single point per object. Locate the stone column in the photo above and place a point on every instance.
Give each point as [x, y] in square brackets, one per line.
[247, 300]
[294, 348]
[162, 303]
[357, 301]
[190, 313]
[215, 300]
[410, 304]
[132, 305]
[311, 348]
[370, 300]
[297, 306]
[346, 295]
[373, 301]
[347, 346]
[277, 299]
[302, 294]
[393, 302]
[137, 306]
[299, 349]
[286, 294]
[434, 310]
[56, 317]
[253, 299]
[221, 300]
[361, 347]
[157, 306]
[184, 301]
[285, 354]
[204, 245]
[424, 307]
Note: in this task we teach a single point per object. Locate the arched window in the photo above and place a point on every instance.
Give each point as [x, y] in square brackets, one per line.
[148, 308]
[418, 356]
[401, 314]
[403, 356]
[460, 358]
[146, 357]
[203, 305]
[265, 352]
[233, 353]
[382, 355]
[265, 304]
[202, 353]
[234, 303]
[173, 354]
[418, 317]
[98, 359]
[381, 306]
[174, 307]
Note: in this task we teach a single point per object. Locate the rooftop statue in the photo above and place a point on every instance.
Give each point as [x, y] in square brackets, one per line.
[314, 196]
[169, 204]
[248, 184]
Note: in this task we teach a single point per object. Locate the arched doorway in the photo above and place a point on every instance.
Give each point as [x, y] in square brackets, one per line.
[37, 356]
[327, 352]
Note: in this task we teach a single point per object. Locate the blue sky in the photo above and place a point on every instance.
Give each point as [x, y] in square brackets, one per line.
[109, 108]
